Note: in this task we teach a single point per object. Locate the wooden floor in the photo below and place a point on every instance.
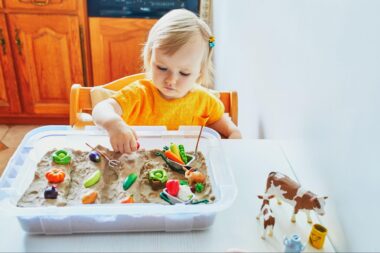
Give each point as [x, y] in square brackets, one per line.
[10, 138]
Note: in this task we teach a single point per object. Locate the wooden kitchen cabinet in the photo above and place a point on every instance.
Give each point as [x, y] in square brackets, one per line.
[42, 5]
[48, 45]
[47, 54]
[47, 50]
[9, 98]
[116, 46]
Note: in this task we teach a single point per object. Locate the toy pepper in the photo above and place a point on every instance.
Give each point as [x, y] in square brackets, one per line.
[172, 187]
[61, 157]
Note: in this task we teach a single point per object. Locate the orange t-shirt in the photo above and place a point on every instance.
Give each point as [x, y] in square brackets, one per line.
[143, 105]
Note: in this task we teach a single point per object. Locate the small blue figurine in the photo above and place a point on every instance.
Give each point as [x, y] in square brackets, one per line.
[293, 244]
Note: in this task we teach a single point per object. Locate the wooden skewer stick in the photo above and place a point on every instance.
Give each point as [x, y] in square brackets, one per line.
[100, 152]
[199, 136]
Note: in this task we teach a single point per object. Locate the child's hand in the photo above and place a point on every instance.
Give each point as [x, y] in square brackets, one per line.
[122, 137]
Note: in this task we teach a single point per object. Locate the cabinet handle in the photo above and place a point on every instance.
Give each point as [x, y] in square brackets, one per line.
[18, 41]
[2, 41]
[40, 2]
[35, 2]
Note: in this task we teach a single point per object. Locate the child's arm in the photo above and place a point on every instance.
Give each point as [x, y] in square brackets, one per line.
[226, 128]
[107, 114]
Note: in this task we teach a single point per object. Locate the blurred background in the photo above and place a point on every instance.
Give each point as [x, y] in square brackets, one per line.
[308, 73]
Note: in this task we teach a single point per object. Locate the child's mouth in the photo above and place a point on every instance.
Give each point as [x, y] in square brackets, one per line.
[169, 88]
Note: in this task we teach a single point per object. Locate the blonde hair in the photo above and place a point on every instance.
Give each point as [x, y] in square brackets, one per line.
[174, 30]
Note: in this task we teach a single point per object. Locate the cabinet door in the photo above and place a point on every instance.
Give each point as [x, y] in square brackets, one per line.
[41, 5]
[116, 46]
[9, 99]
[47, 51]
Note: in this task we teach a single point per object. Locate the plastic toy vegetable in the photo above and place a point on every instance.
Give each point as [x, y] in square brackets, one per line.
[170, 163]
[170, 155]
[199, 187]
[55, 175]
[128, 200]
[157, 178]
[89, 197]
[182, 153]
[51, 193]
[129, 180]
[61, 157]
[93, 179]
[159, 175]
[174, 149]
[172, 187]
[94, 156]
[183, 182]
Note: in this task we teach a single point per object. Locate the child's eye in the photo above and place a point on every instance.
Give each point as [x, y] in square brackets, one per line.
[161, 68]
[184, 74]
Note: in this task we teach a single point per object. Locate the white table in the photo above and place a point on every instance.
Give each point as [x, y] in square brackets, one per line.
[236, 227]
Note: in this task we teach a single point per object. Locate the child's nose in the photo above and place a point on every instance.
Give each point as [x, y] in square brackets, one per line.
[171, 79]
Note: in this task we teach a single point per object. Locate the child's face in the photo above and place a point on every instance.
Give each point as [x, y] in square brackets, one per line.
[175, 75]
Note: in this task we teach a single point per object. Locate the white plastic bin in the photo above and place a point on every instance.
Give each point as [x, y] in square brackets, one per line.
[20, 171]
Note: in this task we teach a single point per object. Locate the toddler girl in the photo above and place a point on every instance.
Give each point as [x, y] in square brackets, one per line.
[177, 60]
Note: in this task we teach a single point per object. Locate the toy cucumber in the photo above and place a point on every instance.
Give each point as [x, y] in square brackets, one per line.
[93, 179]
[129, 180]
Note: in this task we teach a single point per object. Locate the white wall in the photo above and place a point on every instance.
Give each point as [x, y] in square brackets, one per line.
[310, 71]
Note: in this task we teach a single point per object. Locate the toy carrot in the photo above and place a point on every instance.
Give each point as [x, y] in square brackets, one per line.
[169, 154]
[128, 200]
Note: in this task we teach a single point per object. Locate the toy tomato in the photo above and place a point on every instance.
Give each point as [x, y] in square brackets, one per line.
[55, 175]
[172, 187]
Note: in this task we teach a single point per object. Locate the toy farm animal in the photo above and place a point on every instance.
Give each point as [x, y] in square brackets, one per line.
[266, 212]
[284, 188]
[194, 176]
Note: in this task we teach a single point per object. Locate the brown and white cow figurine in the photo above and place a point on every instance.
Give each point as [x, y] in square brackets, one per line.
[286, 189]
[267, 213]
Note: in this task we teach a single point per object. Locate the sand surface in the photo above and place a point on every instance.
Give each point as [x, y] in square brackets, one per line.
[110, 186]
